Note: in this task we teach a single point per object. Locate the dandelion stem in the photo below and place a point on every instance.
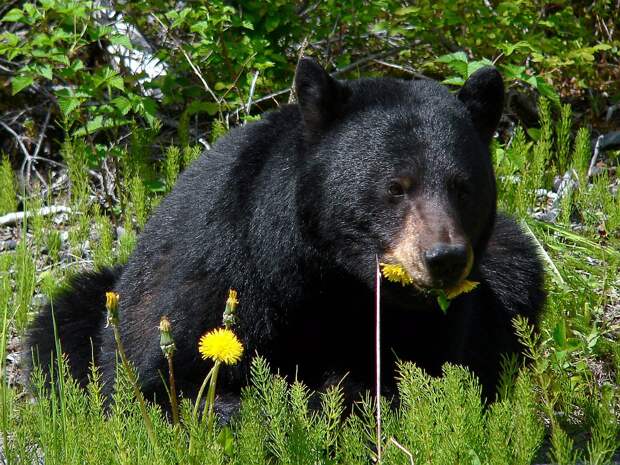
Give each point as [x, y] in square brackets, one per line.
[209, 408]
[173, 392]
[200, 392]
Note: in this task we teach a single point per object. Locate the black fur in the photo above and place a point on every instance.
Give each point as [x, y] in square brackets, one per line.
[292, 211]
[78, 314]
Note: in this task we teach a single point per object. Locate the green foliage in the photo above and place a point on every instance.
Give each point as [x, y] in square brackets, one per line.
[59, 37]
[172, 165]
[25, 283]
[212, 53]
[102, 251]
[531, 43]
[74, 153]
[439, 421]
[137, 207]
[126, 244]
[8, 199]
[190, 154]
[582, 154]
[563, 128]
[218, 129]
[55, 49]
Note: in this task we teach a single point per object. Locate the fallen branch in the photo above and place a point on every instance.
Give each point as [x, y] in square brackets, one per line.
[12, 218]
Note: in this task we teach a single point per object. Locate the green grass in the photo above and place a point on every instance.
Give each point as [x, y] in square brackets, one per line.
[564, 408]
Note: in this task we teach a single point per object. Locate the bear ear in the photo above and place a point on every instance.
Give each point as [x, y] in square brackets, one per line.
[483, 95]
[320, 97]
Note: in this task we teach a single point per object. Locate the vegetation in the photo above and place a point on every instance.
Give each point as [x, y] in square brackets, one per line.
[85, 127]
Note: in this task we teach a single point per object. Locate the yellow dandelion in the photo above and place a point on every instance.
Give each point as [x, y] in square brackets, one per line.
[111, 300]
[396, 274]
[464, 287]
[111, 305]
[232, 298]
[221, 345]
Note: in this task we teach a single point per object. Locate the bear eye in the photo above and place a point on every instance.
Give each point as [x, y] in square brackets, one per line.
[396, 189]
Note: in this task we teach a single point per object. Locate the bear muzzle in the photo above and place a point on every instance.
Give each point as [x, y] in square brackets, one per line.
[448, 264]
[432, 249]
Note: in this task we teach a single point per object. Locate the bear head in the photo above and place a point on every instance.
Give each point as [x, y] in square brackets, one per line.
[397, 170]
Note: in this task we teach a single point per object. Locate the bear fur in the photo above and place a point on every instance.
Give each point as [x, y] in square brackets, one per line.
[293, 211]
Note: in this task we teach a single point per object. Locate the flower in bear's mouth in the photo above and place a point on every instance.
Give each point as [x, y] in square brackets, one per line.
[396, 273]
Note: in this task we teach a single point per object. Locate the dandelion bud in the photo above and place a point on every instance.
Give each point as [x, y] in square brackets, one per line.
[111, 305]
[229, 311]
[166, 343]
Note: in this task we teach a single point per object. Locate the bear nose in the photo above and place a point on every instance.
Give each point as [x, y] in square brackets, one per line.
[446, 263]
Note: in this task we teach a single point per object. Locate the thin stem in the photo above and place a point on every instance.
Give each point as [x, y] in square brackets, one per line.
[197, 403]
[200, 392]
[378, 354]
[210, 404]
[173, 392]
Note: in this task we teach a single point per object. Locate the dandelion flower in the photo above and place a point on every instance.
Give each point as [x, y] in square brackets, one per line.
[464, 287]
[221, 345]
[396, 274]
[111, 305]
[111, 300]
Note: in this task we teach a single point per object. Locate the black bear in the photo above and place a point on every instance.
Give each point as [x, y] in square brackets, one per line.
[293, 211]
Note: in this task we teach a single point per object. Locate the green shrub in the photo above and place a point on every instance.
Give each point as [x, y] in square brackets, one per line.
[8, 199]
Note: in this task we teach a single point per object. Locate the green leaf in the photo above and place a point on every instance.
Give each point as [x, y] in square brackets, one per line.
[117, 82]
[509, 49]
[98, 123]
[226, 440]
[31, 11]
[13, 16]
[9, 40]
[59, 58]
[123, 104]
[45, 71]
[511, 71]
[559, 334]
[474, 66]
[121, 40]
[200, 27]
[155, 186]
[443, 301]
[21, 82]
[148, 109]
[454, 81]
[68, 104]
[77, 65]
[547, 91]
[405, 11]
[222, 86]
[451, 57]
[534, 133]
[201, 106]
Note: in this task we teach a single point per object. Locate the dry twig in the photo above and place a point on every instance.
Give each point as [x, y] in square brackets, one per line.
[12, 218]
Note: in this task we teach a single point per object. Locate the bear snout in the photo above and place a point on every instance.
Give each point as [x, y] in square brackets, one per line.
[447, 263]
